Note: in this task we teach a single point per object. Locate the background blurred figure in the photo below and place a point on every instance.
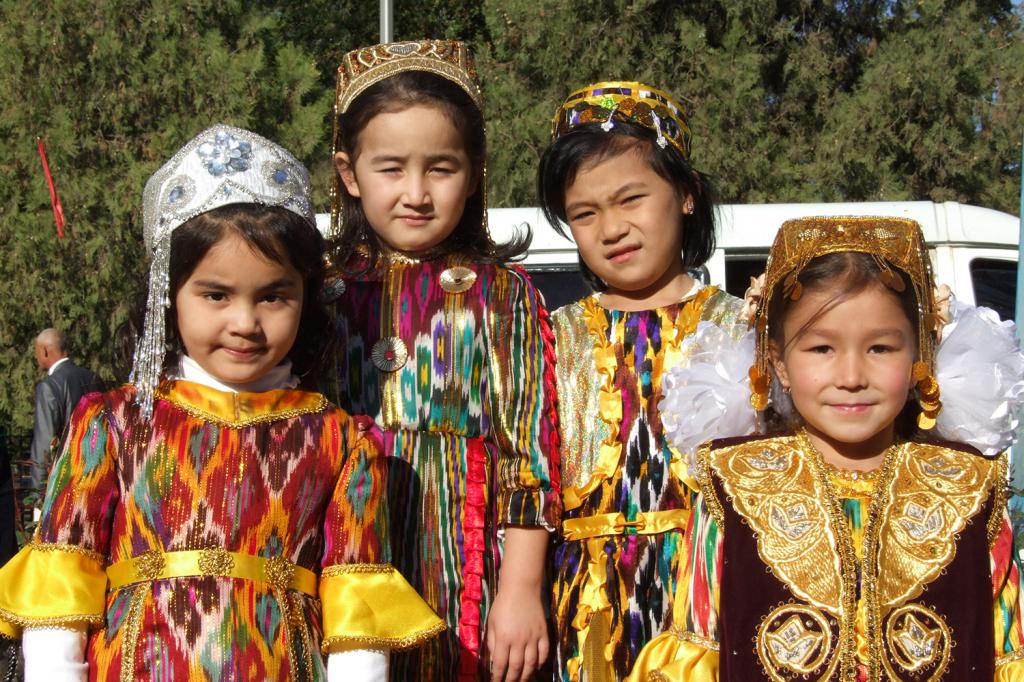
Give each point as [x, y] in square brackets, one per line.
[56, 397]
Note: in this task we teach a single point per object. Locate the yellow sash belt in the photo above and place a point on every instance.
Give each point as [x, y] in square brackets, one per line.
[157, 565]
[647, 523]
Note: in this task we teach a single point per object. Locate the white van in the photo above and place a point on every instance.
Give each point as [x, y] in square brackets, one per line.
[973, 250]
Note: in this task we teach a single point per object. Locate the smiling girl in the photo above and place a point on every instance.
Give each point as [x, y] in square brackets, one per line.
[450, 350]
[210, 520]
[853, 547]
[618, 174]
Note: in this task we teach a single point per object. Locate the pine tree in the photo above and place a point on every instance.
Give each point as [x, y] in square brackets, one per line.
[115, 88]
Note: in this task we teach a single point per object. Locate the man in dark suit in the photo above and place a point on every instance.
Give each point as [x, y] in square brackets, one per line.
[57, 395]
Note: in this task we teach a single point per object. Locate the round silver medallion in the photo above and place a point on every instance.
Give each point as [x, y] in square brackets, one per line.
[389, 354]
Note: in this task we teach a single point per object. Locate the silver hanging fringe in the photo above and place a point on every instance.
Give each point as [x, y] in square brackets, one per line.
[148, 362]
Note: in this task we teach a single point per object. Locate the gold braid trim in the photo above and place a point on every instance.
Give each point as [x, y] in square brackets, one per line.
[344, 569]
[694, 638]
[707, 488]
[73, 549]
[1015, 655]
[1001, 496]
[268, 418]
[657, 676]
[51, 621]
[347, 643]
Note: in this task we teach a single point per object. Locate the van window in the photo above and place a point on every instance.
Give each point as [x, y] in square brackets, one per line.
[995, 285]
[739, 270]
[560, 284]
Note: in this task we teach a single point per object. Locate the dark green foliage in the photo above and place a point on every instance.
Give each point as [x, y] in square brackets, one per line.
[792, 100]
[115, 88]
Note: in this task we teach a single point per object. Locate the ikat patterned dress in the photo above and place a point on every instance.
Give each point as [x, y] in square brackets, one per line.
[625, 497]
[228, 538]
[456, 363]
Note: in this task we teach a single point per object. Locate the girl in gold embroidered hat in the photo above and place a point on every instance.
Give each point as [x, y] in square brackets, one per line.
[212, 520]
[618, 174]
[451, 350]
[855, 544]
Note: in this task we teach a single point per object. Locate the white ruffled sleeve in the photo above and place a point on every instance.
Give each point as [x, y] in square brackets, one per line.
[708, 396]
[980, 370]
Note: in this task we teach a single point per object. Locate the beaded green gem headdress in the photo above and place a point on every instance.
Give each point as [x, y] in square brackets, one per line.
[627, 101]
[894, 243]
[368, 66]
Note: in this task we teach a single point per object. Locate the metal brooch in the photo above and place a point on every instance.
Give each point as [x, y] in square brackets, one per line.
[457, 279]
[279, 572]
[149, 565]
[215, 562]
[389, 354]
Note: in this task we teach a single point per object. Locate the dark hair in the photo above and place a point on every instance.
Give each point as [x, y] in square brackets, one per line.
[398, 93]
[590, 144]
[848, 273]
[280, 235]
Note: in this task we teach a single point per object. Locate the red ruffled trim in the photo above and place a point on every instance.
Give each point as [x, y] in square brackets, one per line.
[474, 513]
[554, 440]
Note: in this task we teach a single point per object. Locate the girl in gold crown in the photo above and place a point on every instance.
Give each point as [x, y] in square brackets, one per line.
[618, 174]
[853, 546]
[451, 350]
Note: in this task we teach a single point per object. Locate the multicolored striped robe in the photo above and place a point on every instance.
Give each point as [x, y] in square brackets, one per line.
[470, 428]
[614, 583]
[280, 475]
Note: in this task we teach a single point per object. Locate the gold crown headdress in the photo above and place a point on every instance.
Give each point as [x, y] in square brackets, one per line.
[627, 101]
[894, 243]
[368, 66]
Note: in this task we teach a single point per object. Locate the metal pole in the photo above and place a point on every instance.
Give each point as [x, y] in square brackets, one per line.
[1017, 454]
[387, 21]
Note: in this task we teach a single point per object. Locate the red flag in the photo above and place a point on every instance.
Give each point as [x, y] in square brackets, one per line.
[58, 212]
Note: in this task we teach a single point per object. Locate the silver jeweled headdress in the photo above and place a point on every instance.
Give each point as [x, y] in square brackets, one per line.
[221, 165]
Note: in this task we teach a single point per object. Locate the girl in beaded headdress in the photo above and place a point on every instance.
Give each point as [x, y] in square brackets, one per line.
[211, 520]
[618, 174]
[451, 350]
[854, 546]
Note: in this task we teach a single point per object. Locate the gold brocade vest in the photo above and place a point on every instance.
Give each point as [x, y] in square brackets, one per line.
[791, 581]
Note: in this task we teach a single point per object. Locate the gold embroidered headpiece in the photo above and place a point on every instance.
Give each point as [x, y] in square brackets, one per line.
[893, 243]
[627, 101]
[368, 66]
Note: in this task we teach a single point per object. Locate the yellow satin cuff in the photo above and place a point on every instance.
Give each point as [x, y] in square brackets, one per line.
[371, 606]
[676, 656]
[52, 585]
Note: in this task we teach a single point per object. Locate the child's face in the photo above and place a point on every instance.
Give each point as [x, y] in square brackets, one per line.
[849, 371]
[412, 176]
[238, 313]
[625, 220]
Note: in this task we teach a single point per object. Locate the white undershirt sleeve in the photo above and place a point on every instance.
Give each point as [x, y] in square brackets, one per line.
[54, 655]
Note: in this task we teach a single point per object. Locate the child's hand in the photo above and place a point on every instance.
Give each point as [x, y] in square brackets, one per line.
[517, 635]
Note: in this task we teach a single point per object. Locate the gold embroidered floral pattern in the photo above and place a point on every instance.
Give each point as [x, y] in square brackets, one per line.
[149, 565]
[917, 639]
[279, 572]
[794, 639]
[215, 562]
[924, 497]
[931, 496]
[772, 487]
